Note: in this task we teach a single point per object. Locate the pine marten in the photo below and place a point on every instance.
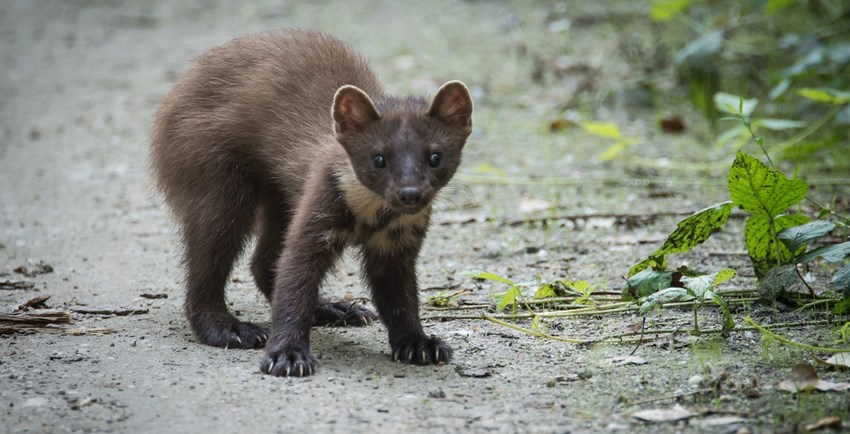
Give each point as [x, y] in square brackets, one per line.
[288, 135]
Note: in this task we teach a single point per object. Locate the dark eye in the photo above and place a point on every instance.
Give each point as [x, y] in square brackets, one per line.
[378, 161]
[434, 159]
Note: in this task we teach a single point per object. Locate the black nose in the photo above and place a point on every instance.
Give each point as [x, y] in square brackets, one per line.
[410, 195]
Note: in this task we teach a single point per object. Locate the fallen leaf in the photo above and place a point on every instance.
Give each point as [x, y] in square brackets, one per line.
[664, 414]
[12, 285]
[625, 360]
[34, 303]
[833, 422]
[804, 377]
[34, 269]
[532, 205]
[711, 422]
[672, 124]
[839, 359]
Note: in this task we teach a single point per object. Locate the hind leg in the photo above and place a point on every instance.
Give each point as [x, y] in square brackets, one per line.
[273, 221]
[216, 226]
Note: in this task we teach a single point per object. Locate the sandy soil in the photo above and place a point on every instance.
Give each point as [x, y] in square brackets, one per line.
[81, 81]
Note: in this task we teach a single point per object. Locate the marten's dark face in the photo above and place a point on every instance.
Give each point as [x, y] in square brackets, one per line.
[411, 150]
[405, 159]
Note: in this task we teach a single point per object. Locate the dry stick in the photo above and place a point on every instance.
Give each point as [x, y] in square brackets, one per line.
[583, 311]
[715, 330]
[532, 332]
[444, 297]
[640, 339]
[817, 302]
[664, 398]
[787, 341]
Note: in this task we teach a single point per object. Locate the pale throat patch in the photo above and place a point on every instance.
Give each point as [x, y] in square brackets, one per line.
[367, 206]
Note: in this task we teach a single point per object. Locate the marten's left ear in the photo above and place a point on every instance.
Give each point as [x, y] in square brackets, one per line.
[453, 105]
[353, 110]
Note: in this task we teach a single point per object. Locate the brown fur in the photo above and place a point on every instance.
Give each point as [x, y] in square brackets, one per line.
[279, 134]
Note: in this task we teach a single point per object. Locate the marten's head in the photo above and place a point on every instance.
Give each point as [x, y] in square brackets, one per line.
[404, 149]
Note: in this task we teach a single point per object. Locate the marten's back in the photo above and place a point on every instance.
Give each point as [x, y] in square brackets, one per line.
[262, 103]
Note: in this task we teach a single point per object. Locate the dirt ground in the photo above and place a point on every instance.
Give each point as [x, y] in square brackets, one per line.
[81, 81]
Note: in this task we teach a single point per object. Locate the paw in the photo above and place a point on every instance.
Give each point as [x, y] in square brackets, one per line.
[422, 350]
[288, 361]
[231, 333]
[344, 313]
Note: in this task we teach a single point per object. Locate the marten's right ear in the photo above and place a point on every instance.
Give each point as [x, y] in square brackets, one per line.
[353, 110]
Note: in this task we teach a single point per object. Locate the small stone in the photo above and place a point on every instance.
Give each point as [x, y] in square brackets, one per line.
[695, 380]
[36, 402]
[437, 393]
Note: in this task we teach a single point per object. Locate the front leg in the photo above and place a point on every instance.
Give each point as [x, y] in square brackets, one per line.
[392, 277]
[301, 269]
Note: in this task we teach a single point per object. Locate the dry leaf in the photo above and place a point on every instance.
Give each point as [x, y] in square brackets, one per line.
[804, 377]
[625, 360]
[34, 303]
[711, 422]
[664, 414]
[833, 422]
[532, 205]
[839, 359]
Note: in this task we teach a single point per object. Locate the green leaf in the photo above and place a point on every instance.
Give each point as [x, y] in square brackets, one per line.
[700, 50]
[545, 291]
[763, 246]
[728, 322]
[694, 230]
[843, 306]
[484, 275]
[664, 10]
[734, 104]
[602, 129]
[761, 190]
[777, 281]
[510, 297]
[798, 236]
[699, 285]
[831, 96]
[830, 253]
[781, 124]
[647, 282]
[690, 232]
[654, 262]
[774, 6]
[841, 280]
[667, 295]
[613, 151]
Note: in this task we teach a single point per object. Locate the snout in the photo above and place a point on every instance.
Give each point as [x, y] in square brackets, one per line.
[410, 196]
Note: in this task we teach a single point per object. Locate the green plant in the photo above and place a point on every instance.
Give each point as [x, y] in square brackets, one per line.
[776, 240]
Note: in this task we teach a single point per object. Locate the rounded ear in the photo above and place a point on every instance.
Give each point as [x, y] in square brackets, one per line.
[453, 105]
[353, 110]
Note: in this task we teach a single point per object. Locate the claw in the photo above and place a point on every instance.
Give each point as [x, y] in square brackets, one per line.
[271, 365]
[300, 370]
[410, 355]
[395, 355]
[287, 372]
[436, 356]
[424, 356]
[363, 319]
[238, 339]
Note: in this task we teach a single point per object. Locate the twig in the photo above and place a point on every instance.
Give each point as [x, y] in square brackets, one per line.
[787, 341]
[817, 302]
[532, 332]
[435, 300]
[640, 340]
[677, 396]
